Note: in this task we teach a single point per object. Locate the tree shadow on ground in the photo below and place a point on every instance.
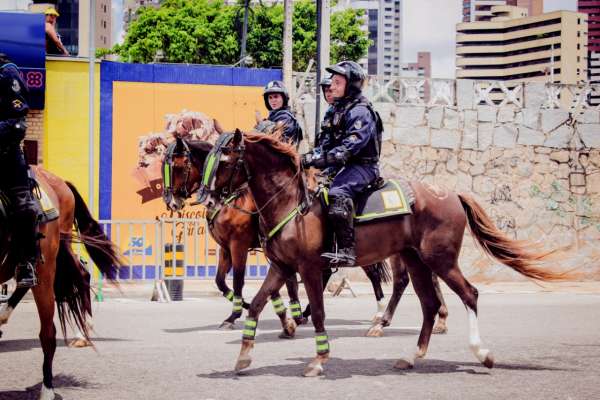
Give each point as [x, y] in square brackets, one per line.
[338, 368]
[14, 345]
[267, 324]
[60, 381]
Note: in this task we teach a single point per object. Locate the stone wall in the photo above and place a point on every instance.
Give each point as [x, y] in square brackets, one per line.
[535, 170]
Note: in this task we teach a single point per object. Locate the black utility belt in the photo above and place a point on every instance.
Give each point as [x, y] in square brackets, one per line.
[364, 160]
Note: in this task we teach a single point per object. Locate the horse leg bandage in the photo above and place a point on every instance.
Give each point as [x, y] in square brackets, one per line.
[249, 331]
[237, 305]
[229, 295]
[322, 342]
[278, 306]
[295, 309]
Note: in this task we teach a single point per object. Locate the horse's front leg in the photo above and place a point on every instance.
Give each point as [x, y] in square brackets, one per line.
[273, 282]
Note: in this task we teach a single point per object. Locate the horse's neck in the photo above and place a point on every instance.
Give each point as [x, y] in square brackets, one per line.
[275, 189]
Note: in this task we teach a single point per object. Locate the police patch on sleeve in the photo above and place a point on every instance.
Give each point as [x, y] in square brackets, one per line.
[15, 86]
[353, 138]
[358, 124]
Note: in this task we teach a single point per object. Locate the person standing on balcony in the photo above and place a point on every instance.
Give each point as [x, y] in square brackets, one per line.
[54, 45]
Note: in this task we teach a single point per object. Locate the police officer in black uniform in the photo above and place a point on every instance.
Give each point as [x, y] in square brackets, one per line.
[352, 146]
[327, 122]
[276, 100]
[14, 180]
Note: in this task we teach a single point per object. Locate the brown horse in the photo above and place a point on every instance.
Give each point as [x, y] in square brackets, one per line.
[426, 241]
[62, 278]
[234, 226]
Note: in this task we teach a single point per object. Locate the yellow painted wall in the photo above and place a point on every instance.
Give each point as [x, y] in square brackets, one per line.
[66, 123]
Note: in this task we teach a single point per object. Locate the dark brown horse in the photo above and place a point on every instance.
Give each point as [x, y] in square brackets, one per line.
[234, 226]
[62, 279]
[426, 241]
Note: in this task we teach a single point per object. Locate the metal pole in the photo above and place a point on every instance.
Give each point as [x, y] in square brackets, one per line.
[319, 67]
[244, 32]
[288, 7]
[92, 59]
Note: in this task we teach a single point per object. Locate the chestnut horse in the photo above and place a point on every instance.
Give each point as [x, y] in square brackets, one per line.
[234, 227]
[426, 241]
[61, 277]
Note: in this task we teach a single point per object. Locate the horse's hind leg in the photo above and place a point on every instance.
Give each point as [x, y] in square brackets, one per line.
[375, 279]
[295, 308]
[420, 275]
[272, 283]
[468, 294]
[44, 298]
[400, 281]
[440, 327]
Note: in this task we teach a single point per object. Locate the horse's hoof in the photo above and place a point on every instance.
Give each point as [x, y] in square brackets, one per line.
[226, 326]
[489, 360]
[79, 343]
[46, 393]
[440, 329]
[301, 321]
[375, 331]
[243, 362]
[313, 370]
[403, 364]
[289, 331]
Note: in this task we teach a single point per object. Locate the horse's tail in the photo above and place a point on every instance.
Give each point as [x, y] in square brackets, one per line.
[102, 251]
[513, 253]
[71, 290]
[381, 271]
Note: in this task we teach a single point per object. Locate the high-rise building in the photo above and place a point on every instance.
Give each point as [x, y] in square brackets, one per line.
[547, 47]
[534, 7]
[419, 69]
[592, 9]
[479, 10]
[382, 20]
[130, 8]
[74, 23]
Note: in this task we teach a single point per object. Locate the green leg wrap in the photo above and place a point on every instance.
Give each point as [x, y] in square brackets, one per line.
[237, 305]
[295, 309]
[249, 331]
[322, 342]
[278, 306]
[229, 295]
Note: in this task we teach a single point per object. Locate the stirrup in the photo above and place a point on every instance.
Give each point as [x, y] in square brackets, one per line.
[339, 259]
[28, 281]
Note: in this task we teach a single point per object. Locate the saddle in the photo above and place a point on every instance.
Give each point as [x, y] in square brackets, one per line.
[46, 211]
[382, 199]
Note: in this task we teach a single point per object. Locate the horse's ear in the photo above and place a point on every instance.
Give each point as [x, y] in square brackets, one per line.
[237, 137]
[179, 145]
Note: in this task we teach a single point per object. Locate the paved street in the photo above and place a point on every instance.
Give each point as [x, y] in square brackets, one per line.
[546, 345]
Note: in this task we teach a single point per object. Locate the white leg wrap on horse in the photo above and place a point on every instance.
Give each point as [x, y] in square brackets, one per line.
[5, 311]
[474, 339]
[46, 393]
[381, 307]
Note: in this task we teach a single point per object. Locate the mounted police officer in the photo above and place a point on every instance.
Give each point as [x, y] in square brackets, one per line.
[276, 100]
[327, 122]
[14, 180]
[352, 146]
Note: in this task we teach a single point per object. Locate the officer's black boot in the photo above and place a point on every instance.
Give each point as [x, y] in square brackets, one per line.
[341, 216]
[24, 236]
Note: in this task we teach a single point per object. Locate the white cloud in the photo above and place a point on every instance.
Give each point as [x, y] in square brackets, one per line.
[117, 21]
[553, 5]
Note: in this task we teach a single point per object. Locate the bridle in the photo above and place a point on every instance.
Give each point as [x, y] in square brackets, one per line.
[169, 192]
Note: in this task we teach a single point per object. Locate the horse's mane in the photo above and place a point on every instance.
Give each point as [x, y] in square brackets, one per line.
[275, 142]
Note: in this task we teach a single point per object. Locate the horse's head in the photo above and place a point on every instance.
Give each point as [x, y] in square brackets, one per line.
[182, 171]
[224, 171]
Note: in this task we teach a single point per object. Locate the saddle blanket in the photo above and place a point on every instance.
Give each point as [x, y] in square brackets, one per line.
[394, 197]
[47, 211]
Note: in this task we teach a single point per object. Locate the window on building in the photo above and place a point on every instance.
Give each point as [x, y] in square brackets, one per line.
[578, 46]
[578, 33]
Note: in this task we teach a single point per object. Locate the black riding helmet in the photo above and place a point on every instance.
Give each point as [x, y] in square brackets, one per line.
[276, 87]
[325, 83]
[354, 74]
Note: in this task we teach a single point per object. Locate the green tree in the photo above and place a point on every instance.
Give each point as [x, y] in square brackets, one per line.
[209, 32]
